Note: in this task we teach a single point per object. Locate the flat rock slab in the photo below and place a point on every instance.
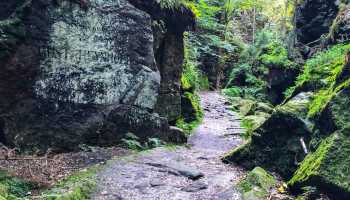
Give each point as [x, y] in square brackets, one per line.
[179, 170]
[183, 173]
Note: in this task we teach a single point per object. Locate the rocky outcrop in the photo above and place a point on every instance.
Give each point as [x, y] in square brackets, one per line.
[320, 23]
[324, 166]
[77, 72]
[276, 143]
[327, 167]
[314, 18]
[168, 28]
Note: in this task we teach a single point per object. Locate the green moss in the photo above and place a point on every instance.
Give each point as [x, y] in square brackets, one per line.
[237, 153]
[12, 188]
[312, 162]
[187, 127]
[78, 186]
[247, 106]
[275, 144]
[252, 122]
[324, 96]
[319, 103]
[195, 100]
[328, 167]
[320, 71]
[248, 125]
[257, 184]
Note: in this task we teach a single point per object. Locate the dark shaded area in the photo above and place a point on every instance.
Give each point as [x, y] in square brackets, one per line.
[314, 18]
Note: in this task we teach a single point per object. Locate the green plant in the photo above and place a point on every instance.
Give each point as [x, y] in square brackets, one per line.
[248, 125]
[187, 127]
[78, 186]
[232, 92]
[131, 141]
[12, 188]
[320, 71]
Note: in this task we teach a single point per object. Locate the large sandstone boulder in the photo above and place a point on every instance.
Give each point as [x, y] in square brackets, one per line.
[77, 72]
[276, 143]
[328, 167]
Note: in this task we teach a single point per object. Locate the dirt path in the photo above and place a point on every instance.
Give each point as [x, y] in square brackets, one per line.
[184, 173]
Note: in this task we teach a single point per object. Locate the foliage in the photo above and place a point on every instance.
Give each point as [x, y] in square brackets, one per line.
[187, 127]
[78, 186]
[275, 55]
[248, 124]
[254, 64]
[192, 78]
[12, 188]
[319, 71]
[171, 4]
[320, 75]
[131, 141]
[232, 91]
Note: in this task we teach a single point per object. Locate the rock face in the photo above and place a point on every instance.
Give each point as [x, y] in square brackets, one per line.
[169, 56]
[313, 18]
[327, 167]
[276, 143]
[168, 27]
[320, 23]
[78, 72]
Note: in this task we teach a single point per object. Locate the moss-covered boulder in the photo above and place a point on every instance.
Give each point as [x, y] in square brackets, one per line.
[257, 184]
[336, 114]
[247, 107]
[276, 143]
[191, 108]
[328, 168]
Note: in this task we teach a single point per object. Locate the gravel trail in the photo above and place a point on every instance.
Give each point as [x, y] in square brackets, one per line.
[191, 172]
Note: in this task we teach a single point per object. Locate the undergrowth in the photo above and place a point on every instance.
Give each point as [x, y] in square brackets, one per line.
[12, 188]
[78, 186]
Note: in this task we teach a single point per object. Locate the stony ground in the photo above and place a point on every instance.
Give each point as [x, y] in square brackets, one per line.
[191, 172]
[46, 170]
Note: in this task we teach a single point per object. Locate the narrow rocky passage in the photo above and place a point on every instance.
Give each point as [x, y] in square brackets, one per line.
[184, 173]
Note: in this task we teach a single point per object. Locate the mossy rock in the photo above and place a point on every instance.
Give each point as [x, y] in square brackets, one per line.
[257, 184]
[257, 120]
[264, 107]
[328, 168]
[191, 108]
[247, 106]
[298, 105]
[336, 114]
[275, 145]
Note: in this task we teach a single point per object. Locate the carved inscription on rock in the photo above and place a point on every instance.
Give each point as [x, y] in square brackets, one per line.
[86, 58]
